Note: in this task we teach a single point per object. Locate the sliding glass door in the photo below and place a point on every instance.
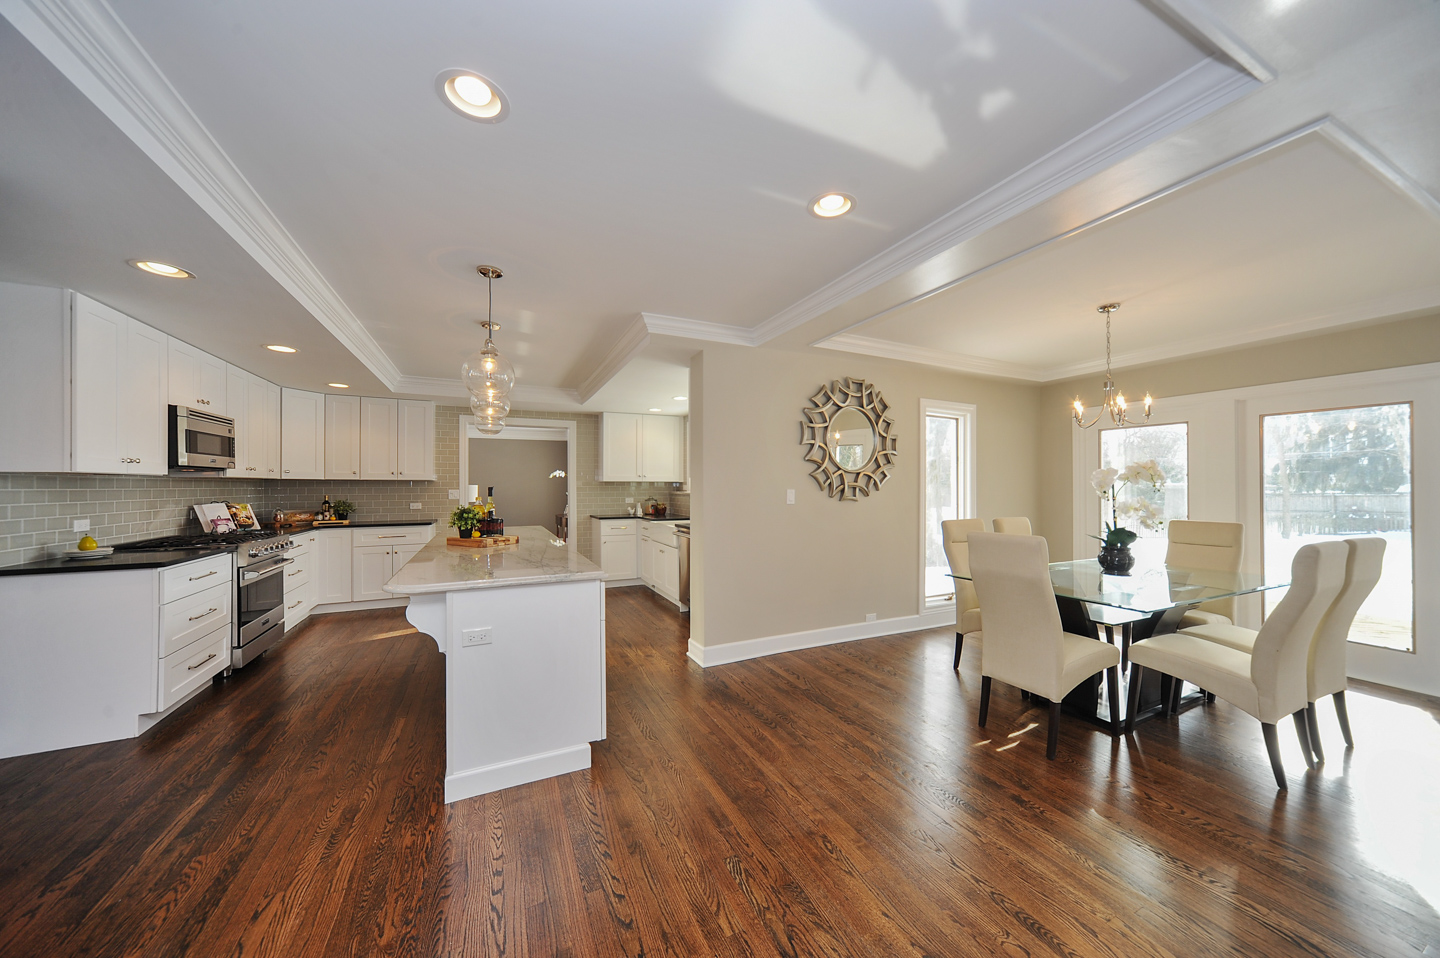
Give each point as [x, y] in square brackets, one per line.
[949, 484]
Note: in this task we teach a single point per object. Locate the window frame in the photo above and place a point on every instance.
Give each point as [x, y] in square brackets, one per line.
[965, 414]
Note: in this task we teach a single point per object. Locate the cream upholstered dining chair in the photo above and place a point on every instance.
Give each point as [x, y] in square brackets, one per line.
[1013, 526]
[1023, 643]
[1214, 547]
[1271, 680]
[956, 533]
[1326, 672]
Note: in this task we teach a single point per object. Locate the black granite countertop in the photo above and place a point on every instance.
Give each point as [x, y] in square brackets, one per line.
[116, 560]
[646, 518]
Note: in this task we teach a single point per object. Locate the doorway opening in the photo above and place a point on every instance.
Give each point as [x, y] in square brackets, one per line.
[531, 465]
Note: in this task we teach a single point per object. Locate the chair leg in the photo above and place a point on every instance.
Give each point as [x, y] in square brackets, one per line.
[1176, 687]
[1054, 738]
[984, 699]
[1344, 716]
[959, 641]
[1133, 705]
[1303, 734]
[1112, 681]
[1166, 684]
[1272, 745]
[1312, 722]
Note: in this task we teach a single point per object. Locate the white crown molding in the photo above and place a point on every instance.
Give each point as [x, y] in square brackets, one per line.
[429, 386]
[89, 44]
[536, 397]
[659, 325]
[634, 339]
[1195, 17]
[905, 352]
[1198, 91]
[523, 396]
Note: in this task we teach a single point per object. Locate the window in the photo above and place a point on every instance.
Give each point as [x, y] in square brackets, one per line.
[1335, 474]
[949, 489]
[1168, 445]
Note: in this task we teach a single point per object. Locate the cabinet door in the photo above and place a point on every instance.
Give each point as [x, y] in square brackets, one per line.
[647, 561]
[183, 363]
[379, 436]
[302, 435]
[617, 557]
[144, 414]
[416, 446]
[213, 392]
[271, 467]
[256, 428]
[237, 401]
[342, 437]
[660, 448]
[372, 570]
[399, 556]
[619, 447]
[667, 569]
[334, 565]
[98, 351]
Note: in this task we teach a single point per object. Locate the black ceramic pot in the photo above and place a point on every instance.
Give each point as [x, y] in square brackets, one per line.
[1116, 560]
[466, 533]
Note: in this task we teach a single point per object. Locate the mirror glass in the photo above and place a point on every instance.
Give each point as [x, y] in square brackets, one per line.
[851, 439]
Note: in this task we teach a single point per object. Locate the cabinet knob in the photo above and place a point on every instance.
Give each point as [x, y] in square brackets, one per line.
[352, 472]
[287, 472]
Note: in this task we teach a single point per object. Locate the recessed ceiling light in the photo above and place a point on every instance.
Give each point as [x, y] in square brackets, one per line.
[655, 409]
[829, 205]
[161, 269]
[280, 349]
[472, 95]
[682, 398]
[339, 385]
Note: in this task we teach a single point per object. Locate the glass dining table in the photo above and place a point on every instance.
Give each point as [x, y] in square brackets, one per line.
[1150, 601]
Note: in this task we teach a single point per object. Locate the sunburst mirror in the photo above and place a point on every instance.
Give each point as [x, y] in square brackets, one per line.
[850, 440]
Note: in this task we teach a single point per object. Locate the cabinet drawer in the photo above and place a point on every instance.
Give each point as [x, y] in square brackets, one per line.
[185, 620]
[183, 671]
[393, 536]
[180, 581]
[618, 527]
[297, 574]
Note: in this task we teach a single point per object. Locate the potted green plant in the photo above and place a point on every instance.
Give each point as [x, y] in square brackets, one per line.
[342, 508]
[1115, 556]
[466, 520]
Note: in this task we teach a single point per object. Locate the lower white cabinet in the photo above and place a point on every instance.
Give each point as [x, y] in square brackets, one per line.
[301, 577]
[660, 559]
[351, 565]
[196, 612]
[379, 554]
[333, 566]
[185, 671]
[616, 546]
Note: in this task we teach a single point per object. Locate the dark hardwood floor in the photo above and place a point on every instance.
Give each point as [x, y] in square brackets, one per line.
[839, 801]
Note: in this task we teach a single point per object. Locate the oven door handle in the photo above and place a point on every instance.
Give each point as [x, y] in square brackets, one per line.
[248, 576]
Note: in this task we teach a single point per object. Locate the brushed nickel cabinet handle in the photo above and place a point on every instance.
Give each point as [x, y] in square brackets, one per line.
[201, 662]
[203, 614]
[207, 575]
[298, 604]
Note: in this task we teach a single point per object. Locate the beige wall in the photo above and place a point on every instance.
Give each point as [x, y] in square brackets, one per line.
[1404, 342]
[764, 568]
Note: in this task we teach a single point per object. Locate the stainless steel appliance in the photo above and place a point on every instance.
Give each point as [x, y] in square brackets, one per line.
[200, 441]
[682, 545]
[259, 620]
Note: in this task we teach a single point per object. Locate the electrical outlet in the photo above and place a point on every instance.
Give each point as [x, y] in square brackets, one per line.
[789, 497]
[476, 636]
[82, 525]
[454, 493]
[414, 505]
[630, 501]
[869, 616]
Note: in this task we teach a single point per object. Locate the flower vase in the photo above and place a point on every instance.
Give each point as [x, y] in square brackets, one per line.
[1116, 560]
[466, 533]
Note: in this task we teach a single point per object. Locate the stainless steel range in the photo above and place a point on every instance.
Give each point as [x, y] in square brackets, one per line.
[259, 588]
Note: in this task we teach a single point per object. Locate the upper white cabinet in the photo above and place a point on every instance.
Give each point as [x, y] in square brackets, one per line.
[254, 404]
[302, 434]
[415, 446]
[379, 432]
[119, 386]
[636, 448]
[197, 379]
[342, 437]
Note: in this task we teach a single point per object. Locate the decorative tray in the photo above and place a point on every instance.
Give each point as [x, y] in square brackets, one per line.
[483, 542]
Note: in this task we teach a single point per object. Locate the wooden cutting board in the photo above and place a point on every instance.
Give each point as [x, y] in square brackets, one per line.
[483, 542]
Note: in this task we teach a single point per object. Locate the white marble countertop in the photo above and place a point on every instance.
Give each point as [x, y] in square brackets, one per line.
[538, 557]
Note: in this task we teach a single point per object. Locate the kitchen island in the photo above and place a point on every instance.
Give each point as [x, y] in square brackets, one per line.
[522, 628]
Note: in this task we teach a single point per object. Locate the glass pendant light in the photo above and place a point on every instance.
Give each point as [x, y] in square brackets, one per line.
[489, 376]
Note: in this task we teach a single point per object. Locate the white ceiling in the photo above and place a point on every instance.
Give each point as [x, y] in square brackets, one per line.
[658, 157]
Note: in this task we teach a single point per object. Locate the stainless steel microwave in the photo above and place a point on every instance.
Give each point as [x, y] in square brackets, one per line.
[200, 441]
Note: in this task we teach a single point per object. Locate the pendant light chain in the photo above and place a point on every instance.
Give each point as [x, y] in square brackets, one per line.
[1112, 400]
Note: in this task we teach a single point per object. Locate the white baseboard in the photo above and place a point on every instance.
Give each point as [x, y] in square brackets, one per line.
[360, 606]
[531, 768]
[621, 583]
[710, 655]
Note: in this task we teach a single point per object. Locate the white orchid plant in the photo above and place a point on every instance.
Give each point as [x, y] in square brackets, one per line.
[1108, 484]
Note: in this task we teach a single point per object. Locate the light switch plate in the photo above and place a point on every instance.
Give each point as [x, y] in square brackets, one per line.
[869, 616]
[414, 505]
[454, 493]
[82, 525]
[789, 497]
[476, 637]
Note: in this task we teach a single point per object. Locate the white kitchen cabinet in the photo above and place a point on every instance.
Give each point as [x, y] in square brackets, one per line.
[636, 448]
[616, 544]
[373, 567]
[415, 442]
[660, 559]
[334, 566]
[119, 376]
[379, 437]
[197, 380]
[302, 577]
[647, 561]
[302, 434]
[342, 437]
[237, 401]
[255, 406]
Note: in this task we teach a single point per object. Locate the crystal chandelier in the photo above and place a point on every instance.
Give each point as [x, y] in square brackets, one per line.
[489, 376]
[1113, 400]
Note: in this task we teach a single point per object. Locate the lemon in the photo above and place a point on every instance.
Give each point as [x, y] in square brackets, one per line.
[88, 544]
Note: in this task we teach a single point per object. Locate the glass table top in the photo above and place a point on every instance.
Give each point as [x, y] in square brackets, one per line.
[1154, 588]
